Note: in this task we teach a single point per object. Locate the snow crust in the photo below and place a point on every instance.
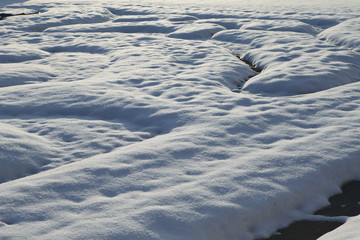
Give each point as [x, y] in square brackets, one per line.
[136, 120]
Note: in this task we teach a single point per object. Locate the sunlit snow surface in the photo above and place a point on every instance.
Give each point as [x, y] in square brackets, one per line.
[348, 231]
[136, 120]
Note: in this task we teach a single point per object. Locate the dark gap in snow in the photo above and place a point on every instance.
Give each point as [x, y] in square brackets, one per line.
[253, 67]
[345, 204]
[305, 230]
[5, 15]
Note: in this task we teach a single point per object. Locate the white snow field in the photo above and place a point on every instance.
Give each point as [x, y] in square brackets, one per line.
[137, 120]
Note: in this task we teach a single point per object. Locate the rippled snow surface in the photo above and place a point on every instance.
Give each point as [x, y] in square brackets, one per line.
[137, 120]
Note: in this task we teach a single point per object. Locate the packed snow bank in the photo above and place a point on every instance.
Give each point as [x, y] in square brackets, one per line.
[134, 134]
[345, 34]
[349, 231]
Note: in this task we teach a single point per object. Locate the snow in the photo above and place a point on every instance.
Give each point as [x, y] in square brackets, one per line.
[136, 120]
[18, 74]
[18, 53]
[197, 30]
[345, 34]
[293, 63]
[349, 231]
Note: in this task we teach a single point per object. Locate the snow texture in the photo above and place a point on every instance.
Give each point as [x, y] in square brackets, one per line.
[346, 34]
[349, 231]
[136, 119]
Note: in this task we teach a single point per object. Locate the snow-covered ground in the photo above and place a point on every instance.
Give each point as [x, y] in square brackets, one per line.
[348, 231]
[136, 120]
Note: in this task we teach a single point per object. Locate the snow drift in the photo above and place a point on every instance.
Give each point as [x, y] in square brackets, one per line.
[132, 120]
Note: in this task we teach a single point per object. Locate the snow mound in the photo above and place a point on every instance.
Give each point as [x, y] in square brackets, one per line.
[22, 153]
[345, 34]
[92, 136]
[71, 66]
[123, 27]
[287, 73]
[197, 31]
[259, 38]
[60, 16]
[20, 53]
[18, 74]
[293, 62]
[279, 25]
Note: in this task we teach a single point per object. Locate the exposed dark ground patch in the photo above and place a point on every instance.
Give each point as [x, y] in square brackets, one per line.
[304, 230]
[253, 67]
[346, 203]
[5, 15]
